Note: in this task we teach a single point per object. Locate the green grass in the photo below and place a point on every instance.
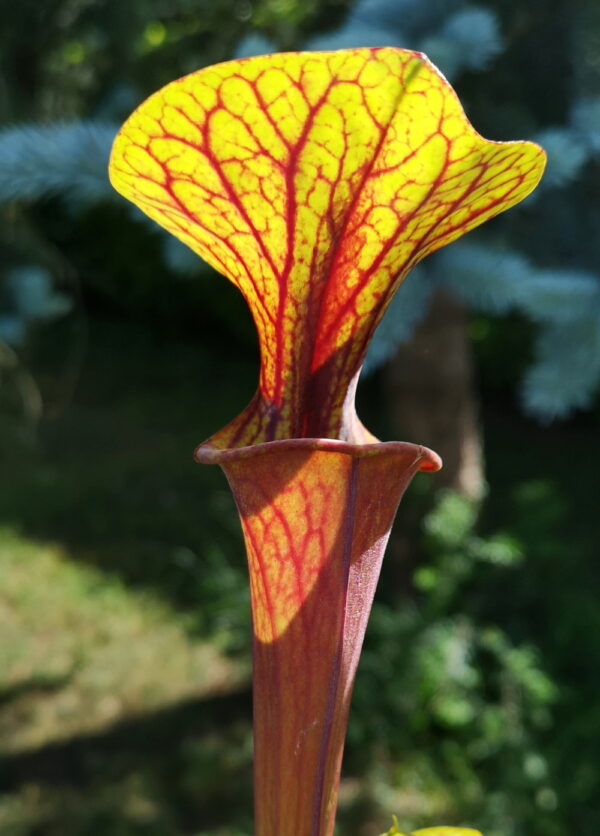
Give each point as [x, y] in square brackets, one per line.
[81, 650]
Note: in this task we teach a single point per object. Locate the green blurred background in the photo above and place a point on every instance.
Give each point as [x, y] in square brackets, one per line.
[125, 703]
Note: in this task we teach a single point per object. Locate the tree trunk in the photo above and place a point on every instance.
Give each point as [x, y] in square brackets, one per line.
[431, 391]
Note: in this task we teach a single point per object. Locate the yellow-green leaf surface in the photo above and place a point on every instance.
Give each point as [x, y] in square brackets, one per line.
[433, 831]
[447, 831]
[314, 182]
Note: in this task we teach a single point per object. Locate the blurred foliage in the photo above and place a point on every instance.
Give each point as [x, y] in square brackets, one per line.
[476, 699]
[441, 674]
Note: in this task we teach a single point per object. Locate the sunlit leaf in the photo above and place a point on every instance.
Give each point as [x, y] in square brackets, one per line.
[446, 831]
[432, 831]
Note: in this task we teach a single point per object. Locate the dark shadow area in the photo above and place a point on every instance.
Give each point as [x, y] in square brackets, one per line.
[156, 735]
[194, 755]
[111, 476]
[39, 685]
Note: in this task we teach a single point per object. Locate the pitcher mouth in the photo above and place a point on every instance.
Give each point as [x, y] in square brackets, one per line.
[422, 457]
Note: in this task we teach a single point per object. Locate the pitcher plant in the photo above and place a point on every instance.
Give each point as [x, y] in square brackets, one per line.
[314, 182]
